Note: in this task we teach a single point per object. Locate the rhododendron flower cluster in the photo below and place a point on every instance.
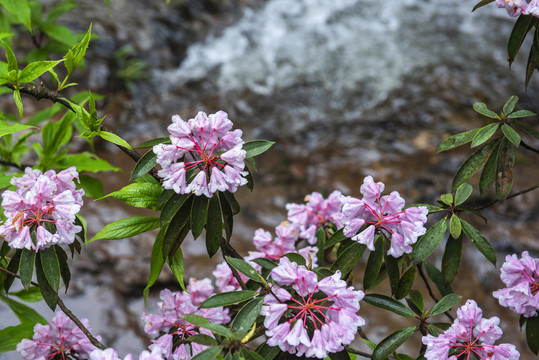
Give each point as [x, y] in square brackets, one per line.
[315, 213]
[205, 144]
[300, 305]
[521, 278]
[517, 7]
[470, 335]
[42, 203]
[111, 354]
[167, 325]
[60, 339]
[383, 215]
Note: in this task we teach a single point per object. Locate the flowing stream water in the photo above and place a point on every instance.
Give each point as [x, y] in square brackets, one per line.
[346, 88]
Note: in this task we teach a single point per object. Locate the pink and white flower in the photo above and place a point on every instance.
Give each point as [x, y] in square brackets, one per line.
[204, 146]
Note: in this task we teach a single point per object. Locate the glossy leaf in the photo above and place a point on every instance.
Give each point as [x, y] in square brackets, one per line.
[484, 134]
[387, 303]
[511, 134]
[348, 259]
[268, 352]
[20, 9]
[374, 264]
[430, 240]
[334, 239]
[214, 227]
[451, 259]
[341, 355]
[436, 276]
[228, 215]
[176, 266]
[199, 215]
[296, 258]
[417, 299]
[141, 195]
[145, 164]
[391, 343]
[446, 303]
[26, 268]
[265, 263]
[405, 283]
[6, 129]
[36, 69]
[115, 139]
[153, 142]
[243, 267]
[128, 227]
[49, 295]
[228, 298]
[65, 272]
[174, 204]
[488, 175]
[13, 267]
[463, 193]
[392, 269]
[518, 34]
[479, 241]
[24, 313]
[10, 336]
[481, 3]
[246, 317]
[202, 339]
[157, 261]
[51, 267]
[455, 227]
[504, 169]
[472, 164]
[250, 355]
[532, 334]
[457, 140]
[208, 354]
[256, 147]
[178, 228]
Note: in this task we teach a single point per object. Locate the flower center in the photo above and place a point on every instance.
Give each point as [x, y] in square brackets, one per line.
[205, 156]
[34, 214]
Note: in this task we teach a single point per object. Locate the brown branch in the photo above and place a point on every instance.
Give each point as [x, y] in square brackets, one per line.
[429, 289]
[509, 197]
[66, 311]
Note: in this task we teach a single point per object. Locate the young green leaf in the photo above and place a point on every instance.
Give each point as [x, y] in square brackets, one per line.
[479, 241]
[446, 303]
[24, 313]
[141, 195]
[31, 295]
[392, 342]
[387, 303]
[511, 134]
[463, 193]
[36, 69]
[455, 227]
[447, 199]
[256, 147]
[457, 140]
[451, 259]
[21, 10]
[76, 54]
[428, 242]
[128, 227]
[228, 298]
[115, 139]
[10, 336]
[484, 134]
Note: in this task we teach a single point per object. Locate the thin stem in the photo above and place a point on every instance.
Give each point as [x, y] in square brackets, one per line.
[429, 289]
[66, 311]
[509, 197]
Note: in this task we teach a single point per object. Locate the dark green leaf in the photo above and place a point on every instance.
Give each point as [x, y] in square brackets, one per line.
[115, 139]
[246, 317]
[504, 169]
[417, 299]
[214, 227]
[472, 164]
[479, 241]
[522, 321]
[436, 276]
[511, 134]
[463, 193]
[321, 238]
[65, 273]
[341, 355]
[268, 352]
[455, 227]
[243, 267]
[446, 303]
[391, 343]
[228, 298]
[428, 242]
[208, 354]
[250, 355]
[335, 238]
[141, 195]
[488, 175]
[405, 283]
[176, 266]
[481, 3]
[256, 147]
[296, 258]
[387, 303]
[482, 109]
[199, 215]
[457, 140]
[265, 263]
[128, 227]
[157, 261]
[451, 259]
[10, 336]
[348, 259]
[145, 164]
[174, 204]
[518, 34]
[26, 268]
[484, 134]
[447, 199]
[374, 264]
[13, 267]
[392, 268]
[24, 313]
[153, 142]
[510, 104]
[202, 339]
[31, 295]
[228, 215]
[49, 295]
[51, 267]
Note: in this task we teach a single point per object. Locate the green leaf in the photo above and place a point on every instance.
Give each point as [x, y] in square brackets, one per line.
[176, 266]
[13, 266]
[173, 205]
[457, 140]
[482, 109]
[208, 354]
[153, 142]
[479, 241]
[178, 228]
[463, 193]
[10, 336]
[436, 276]
[145, 164]
[202, 339]
[214, 227]
[387, 303]
[49, 295]
[85, 161]
[156, 262]
[228, 298]
[511, 134]
[532, 334]
[228, 215]
[391, 343]
[472, 164]
[244, 267]
[128, 227]
[405, 283]
[31, 295]
[6, 129]
[349, 258]
[51, 267]
[18, 101]
[36, 69]
[246, 317]
[488, 175]
[199, 215]
[518, 34]
[26, 268]
[451, 258]
[76, 54]
[481, 3]
[446, 303]
[484, 134]
[520, 114]
[265, 263]
[335, 238]
[92, 186]
[268, 352]
[504, 169]
[115, 139]
[392, 269]
[65, 273]
[250, 354]
[141, 195]
[202, 322]
[417, 299]
[24, 313]
[296, 258]
[374, 264]
[20, 9]
[428, 242]
[510, 104]
[256, 147]
[455, 227]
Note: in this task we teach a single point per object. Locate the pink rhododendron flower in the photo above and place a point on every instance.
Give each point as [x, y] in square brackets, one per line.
[305, 316]
[521, 278]
[44, 204]
[316, 213]
[60, 339]
[167, 325]
[470, 336]
[204, 146]
[514, 7]
[382, 215]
